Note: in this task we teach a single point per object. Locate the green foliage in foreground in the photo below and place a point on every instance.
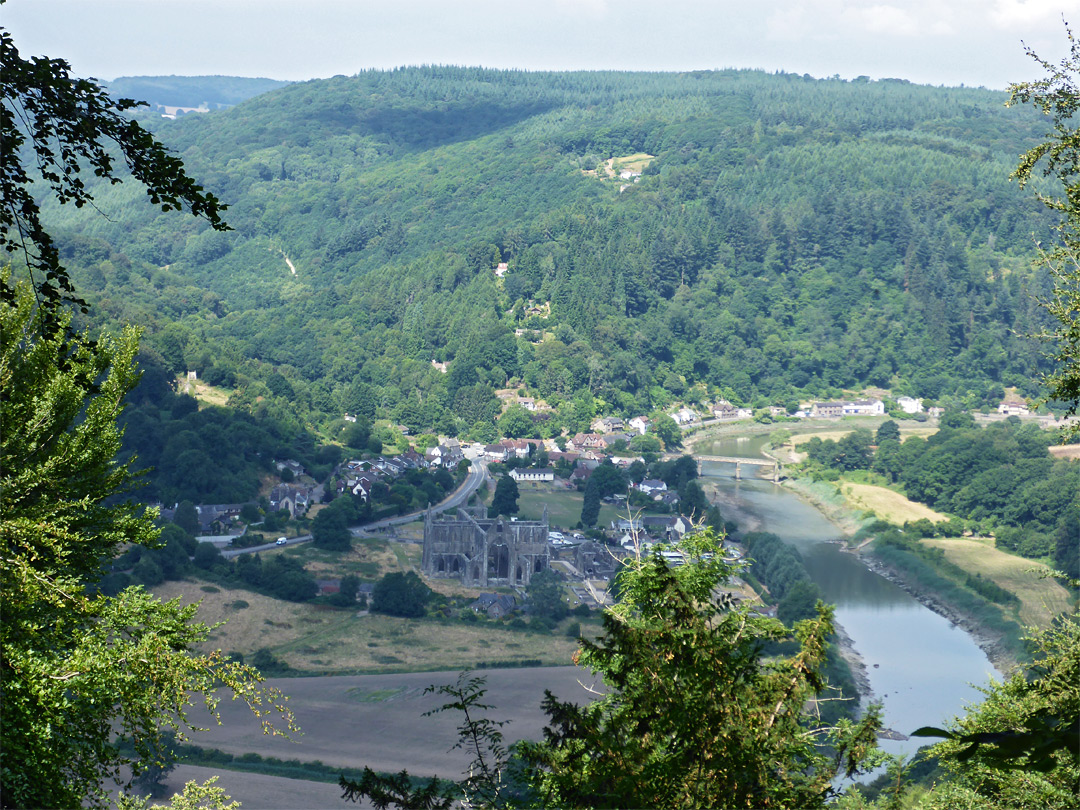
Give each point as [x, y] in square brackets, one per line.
[77, 665]
[693, 716]
[1017, 749]
[1020, 748]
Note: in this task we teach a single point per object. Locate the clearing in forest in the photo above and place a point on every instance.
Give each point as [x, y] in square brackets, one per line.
[612, 167]
[204, 393]
[1040, 599]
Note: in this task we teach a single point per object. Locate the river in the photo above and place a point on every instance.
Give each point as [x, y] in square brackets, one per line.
[922, 668]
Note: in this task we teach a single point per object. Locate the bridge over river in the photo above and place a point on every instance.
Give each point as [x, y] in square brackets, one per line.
[739, 461]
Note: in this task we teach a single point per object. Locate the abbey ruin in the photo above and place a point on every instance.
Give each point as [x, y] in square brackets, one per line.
[483, 551]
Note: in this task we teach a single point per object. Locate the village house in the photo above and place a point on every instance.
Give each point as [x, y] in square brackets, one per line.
[294, 500]
[495, 452]
[909, 404]
[413, 460]
[591, 440]
[445, 455]
[607, 424]
[670, 529]
[218, 518]
[440, 367]
[641, 424]
[684, 416]
[610, 439]
[517, 448]
[1014, 407]
[725, 410]
[525, 474]
[495, 605]
[528, 403]
[828, 410]
[363, 486]
[864, 407]
[502, 269]
[581, 474]
[669, 499]
[293, 466]
[651, 486]
[391, 466]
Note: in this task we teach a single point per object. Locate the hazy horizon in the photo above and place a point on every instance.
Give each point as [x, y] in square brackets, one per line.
[935, 42]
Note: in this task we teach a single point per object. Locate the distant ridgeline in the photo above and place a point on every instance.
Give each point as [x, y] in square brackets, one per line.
[761, 236]
[165, 93]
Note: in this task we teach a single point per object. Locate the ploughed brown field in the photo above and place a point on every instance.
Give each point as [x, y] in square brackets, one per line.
[376, 720]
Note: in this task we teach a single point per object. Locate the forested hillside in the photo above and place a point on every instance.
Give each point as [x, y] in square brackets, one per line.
[787, 236]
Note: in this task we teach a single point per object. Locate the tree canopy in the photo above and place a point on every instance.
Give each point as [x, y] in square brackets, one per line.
[401, 594]
[505, 500]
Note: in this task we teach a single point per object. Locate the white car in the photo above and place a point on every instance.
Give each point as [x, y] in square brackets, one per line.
[281, 541]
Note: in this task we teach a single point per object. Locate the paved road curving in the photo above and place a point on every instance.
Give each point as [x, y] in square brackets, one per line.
[477, 473]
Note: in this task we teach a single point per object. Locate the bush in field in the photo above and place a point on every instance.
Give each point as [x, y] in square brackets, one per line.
[399, 594]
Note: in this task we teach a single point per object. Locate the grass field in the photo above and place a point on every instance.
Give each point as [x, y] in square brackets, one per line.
[1069, 451]
[319, 638]
[564, 507]
[886, 504]
[1040, 599]
[370, 558]
[836, 434]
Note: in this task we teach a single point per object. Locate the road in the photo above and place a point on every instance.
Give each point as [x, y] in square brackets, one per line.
[477, 473]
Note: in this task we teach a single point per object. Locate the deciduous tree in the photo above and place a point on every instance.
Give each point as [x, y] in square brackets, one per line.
[692, 716]
[400, 594]
[77, 666]
[72, 125]
[1058, 97]
[505, 500]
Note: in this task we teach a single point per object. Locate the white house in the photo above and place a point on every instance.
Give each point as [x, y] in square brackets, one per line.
[521, 474]
[864, 407]
[1014, 407]
[909, 404]
[684, 416]
[651, 486]
[641, 424]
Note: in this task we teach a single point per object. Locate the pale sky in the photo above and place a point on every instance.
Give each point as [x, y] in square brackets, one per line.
[951, 42]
